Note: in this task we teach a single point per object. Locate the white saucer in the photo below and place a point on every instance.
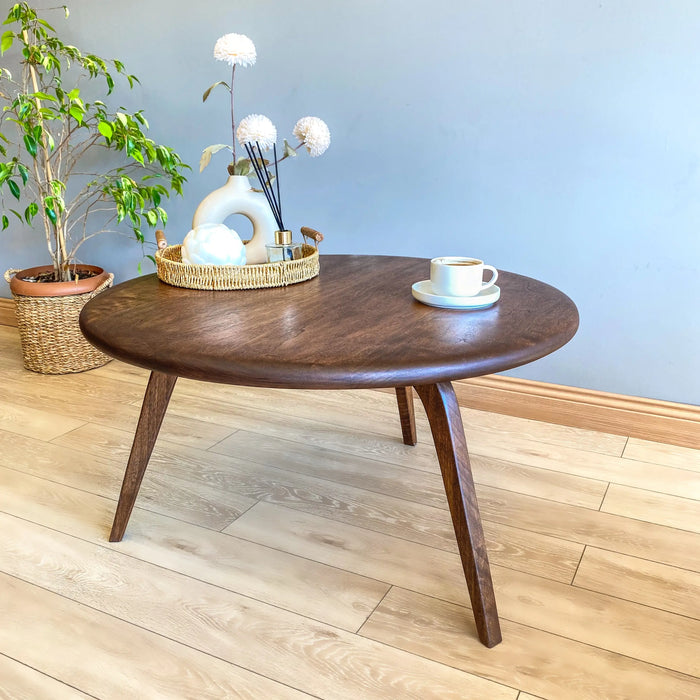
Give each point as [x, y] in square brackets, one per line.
[423, 292]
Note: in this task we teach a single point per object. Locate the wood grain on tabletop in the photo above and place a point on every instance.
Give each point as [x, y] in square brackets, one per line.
[345, 328]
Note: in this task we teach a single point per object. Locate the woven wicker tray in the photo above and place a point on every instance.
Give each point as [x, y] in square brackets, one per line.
[173, 271]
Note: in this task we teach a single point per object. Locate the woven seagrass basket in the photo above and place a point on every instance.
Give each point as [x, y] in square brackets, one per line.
[52, 342]
[172, 270]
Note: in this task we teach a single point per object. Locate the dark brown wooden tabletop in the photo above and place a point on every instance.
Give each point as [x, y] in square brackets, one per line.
[355, 325]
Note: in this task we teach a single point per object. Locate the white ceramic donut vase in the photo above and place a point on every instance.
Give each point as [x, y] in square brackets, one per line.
[237, 197]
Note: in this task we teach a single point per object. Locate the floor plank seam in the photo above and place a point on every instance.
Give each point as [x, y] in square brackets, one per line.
[421, 421]
[442, 549]
[624, 447]
[379, 602]
[154, 632]
[241, 410]
[114, 548]
[243, 512]
[47, 675]
[226, 661]
[114, 500]
[578, 566]
[636, 602]
[281, 467]
[654, 522]
[67, 432]
[264, 436]
[472, 632]
[303, 558]
[218, 442]
[490, 677]
[538, 531]
[636, 460]
[154, 468]
[454, 553]
[651, 561]
[607, 651]
[602, 500]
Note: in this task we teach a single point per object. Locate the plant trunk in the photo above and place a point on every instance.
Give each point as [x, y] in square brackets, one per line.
[58, 254]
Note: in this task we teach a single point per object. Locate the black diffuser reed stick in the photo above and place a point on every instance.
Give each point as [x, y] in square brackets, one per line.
[273, 199]
[277, 180]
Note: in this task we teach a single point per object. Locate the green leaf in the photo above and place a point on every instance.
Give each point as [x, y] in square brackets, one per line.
[5, 222]
[73, 93]
[14, 188]
[122, 118]
[44, 23]
[105, 129]
[288, 150]
[207, 92]
[76, 113]
[51, 214]
[141, 119]
[152, 218]
[242, 167]
[30, 212]
[30, 145]
[44, 96]
[6, 41]
[24, 173]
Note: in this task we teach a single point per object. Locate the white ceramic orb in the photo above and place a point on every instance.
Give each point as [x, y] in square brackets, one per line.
[213, 244]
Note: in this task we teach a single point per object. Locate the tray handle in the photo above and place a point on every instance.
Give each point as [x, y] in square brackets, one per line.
[161, 240]
[313, 234]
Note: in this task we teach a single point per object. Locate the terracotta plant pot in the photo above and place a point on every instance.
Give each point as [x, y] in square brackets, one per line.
[47, 320]
[55, 289]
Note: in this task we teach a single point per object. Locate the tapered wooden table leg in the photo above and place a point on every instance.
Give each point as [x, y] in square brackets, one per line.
[404, 397]
[155, 402]
[451, 447]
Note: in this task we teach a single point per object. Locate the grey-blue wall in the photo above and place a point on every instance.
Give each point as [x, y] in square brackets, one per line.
[556, 139]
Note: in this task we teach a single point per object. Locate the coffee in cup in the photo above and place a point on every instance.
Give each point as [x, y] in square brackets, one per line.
[460, 277]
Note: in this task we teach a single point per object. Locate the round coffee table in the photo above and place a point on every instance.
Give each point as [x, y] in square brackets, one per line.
[356, 325]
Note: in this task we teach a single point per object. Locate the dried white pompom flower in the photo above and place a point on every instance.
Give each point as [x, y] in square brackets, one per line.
[235, 49]
[256, 128]
[314, 134]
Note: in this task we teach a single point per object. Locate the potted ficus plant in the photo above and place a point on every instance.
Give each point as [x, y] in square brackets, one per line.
[53, 129]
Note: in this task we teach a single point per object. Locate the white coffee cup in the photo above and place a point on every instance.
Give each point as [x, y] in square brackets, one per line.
[460, 277]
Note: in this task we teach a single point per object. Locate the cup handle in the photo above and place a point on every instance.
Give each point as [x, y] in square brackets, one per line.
[492, 281]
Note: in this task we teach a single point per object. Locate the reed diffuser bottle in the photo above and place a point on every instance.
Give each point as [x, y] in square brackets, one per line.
[283, 250]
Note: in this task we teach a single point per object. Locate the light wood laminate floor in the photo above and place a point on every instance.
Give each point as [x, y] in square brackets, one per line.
[287, 544]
